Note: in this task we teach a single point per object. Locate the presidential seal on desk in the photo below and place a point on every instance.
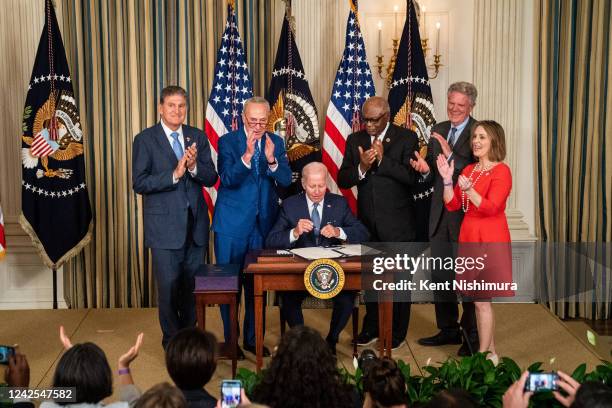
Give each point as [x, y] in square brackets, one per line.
[324, 278]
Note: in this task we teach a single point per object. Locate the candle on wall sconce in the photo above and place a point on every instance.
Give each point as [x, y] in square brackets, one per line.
[380, 38]
[423, 22]
[395, 11]
[438, 38]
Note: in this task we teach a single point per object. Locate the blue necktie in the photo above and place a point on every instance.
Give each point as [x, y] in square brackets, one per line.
[451, 138]
[176, 145]
[256, 157]
[316, 220]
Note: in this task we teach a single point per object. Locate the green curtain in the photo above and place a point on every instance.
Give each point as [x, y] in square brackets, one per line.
[121, 55]
[573, 145]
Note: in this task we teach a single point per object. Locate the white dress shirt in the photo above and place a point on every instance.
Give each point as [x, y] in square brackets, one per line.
[380, 138]
[310, 203]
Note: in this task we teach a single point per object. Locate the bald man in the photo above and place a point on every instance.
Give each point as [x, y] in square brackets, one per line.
[377, 161]
[316, 218]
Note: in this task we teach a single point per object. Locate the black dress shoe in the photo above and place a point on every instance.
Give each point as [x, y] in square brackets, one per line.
[332, 347]
[251, 348]
[396, 343]
[240, 354]
[441, 339]
[365, 338]
[464, 350]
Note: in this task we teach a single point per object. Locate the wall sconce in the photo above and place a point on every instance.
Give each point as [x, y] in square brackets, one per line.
[432, 69]
[388, 76]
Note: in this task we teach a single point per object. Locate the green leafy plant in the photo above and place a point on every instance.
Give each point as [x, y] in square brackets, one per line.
[485, 382]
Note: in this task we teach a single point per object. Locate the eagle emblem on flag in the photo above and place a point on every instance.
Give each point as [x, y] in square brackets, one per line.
[57, 134]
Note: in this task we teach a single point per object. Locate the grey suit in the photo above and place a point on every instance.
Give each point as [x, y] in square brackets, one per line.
[176, 219]
[444, 227]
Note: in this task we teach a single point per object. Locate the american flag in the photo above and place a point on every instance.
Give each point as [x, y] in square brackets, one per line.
[353, 85]
[231, 88]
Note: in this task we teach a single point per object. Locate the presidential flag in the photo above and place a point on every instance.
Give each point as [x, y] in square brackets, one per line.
[293, 115]
[231, 88]
[2, 239]
[352, 86]
[55, 204]
[412, 106]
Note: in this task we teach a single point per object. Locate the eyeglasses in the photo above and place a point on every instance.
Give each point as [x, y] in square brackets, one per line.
[373, 120]
[260, 123]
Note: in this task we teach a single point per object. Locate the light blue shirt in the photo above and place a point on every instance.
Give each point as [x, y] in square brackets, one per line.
[181, 140]
[458, 132]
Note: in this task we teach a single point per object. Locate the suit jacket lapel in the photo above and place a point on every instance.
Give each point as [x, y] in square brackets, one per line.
[390, 137]
[164, 145]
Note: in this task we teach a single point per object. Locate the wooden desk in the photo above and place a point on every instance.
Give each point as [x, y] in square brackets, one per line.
[286, 273]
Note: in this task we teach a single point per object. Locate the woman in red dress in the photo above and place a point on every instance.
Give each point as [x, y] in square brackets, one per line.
[481, 192]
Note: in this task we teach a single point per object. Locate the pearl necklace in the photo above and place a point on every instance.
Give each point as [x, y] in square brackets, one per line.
[465, 202]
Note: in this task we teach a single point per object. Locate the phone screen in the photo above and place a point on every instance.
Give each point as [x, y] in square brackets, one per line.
[542, 382]
[230, 393]
[5, 353]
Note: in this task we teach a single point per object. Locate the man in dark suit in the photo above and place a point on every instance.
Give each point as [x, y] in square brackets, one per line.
[376, 160]
[451, 139]
[171, 163]
[316, 218]
[252, 163]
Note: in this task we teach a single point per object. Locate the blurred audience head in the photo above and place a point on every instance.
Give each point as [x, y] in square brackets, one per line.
[452, 399]
[384, 385]
[85, 367]
[191, 358]
[593, 394]
[162, 395]
[303, 373]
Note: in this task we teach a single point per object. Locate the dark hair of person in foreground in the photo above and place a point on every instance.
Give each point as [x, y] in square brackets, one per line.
[162, 395]
[384, 384]
[191, 359]
[593, 394]
[452, 399]
[303, 373]
[85, 367]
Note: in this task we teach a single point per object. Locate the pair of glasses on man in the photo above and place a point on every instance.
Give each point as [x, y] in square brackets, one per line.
[373, 120]
[254, 123]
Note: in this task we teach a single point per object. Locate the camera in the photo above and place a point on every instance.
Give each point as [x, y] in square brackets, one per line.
[366, 359]
[542, 382]
[230, 393]
[5, 353]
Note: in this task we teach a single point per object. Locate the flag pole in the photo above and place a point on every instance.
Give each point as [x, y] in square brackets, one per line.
[54, 288]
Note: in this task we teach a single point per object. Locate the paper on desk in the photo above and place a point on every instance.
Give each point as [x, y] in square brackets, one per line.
[313, 253]
[356, 250]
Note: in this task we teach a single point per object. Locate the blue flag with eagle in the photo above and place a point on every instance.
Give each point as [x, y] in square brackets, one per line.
[54, 201]
[412, 106]
[293, 115]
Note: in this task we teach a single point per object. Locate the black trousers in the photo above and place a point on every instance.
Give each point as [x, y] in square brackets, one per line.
[174, 271]
[444, 244]
[343, 308]
[401, 310]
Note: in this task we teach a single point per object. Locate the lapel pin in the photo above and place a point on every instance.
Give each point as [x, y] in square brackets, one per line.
[387, 140]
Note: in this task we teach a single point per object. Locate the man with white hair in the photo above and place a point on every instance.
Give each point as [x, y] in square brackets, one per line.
[316, 217]
[251, 163]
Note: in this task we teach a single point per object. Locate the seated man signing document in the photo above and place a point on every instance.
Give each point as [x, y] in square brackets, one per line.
[316, 218]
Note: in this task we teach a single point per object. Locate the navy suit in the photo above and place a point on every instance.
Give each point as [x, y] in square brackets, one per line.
[337, 213]
[246, 208]
[175, 219]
